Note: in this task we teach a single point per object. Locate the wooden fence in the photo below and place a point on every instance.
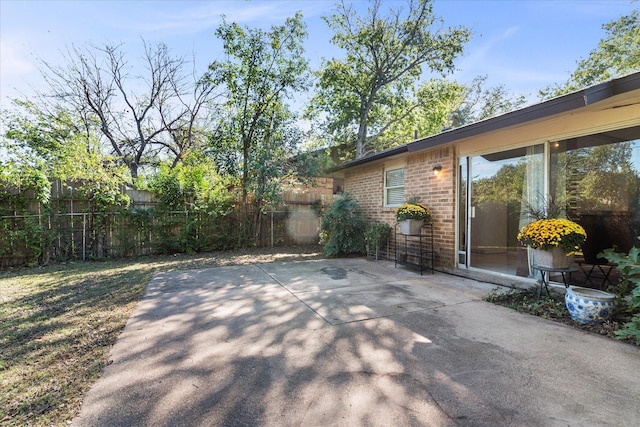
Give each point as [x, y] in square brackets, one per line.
[35, 239]
[72, 231]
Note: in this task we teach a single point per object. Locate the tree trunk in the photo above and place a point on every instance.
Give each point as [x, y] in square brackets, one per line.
[361, 139]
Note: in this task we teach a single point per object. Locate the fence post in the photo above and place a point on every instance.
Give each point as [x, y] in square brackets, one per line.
[84, 236]
[271, 227]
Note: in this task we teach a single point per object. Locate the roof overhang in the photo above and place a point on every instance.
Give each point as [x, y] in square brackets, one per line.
[557, 106]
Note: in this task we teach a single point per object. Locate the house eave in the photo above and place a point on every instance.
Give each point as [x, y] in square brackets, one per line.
[378, 156]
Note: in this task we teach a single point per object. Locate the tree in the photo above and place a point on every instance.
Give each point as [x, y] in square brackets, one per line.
[432, 106]
[53, 142]
[616, 55]
[261, 72]
[141, 118]
[34, 134]
[369, 90]
[480, 103]
[49, 145]
[440, 105]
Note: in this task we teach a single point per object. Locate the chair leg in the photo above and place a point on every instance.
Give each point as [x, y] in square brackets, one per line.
[587, 274]
[605, 275]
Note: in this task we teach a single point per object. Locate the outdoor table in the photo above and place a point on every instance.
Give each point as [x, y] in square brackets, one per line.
[546, 272]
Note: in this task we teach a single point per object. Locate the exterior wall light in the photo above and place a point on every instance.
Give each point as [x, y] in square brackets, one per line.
[437, 169]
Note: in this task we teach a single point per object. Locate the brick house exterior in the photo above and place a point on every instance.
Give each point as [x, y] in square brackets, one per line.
[366, 184]
[583, 120]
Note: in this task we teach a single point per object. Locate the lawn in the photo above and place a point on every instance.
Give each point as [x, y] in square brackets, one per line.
[58, 323]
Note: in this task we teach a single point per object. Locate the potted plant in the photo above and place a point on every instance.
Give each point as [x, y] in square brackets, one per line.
[553, 241]
[590, 306]
[412, 216]
[376, 235]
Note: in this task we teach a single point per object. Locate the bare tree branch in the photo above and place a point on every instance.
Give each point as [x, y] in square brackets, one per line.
[141, 117]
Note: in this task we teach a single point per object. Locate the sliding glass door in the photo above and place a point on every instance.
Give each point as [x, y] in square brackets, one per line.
[502, 185]
[593, 179]
[597, 180]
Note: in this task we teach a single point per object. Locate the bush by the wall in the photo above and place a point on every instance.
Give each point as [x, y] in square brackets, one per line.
[342, 228]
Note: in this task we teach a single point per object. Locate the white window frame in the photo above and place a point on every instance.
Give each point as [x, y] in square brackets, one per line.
[395, 187]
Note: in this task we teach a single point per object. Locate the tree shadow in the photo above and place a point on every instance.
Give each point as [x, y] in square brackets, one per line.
[244, 346]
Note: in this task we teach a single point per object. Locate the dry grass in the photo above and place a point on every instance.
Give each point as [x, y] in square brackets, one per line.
[58, 323]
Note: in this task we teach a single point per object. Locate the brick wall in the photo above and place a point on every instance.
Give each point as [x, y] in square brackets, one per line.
[366, 184]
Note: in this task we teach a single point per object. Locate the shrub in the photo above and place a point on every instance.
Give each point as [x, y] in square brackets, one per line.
[375, 236]
[342, 228]
[629, 267]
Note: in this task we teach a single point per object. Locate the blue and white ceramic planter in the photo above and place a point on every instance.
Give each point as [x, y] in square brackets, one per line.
[589, 306]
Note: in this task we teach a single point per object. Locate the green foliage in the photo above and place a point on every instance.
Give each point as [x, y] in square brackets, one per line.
[18, 182]
[194, 207]
[342, 227]
[167, 187]
[376, 235]
[25, 238]
[432, 105]
[372, 87]
[526, 301]
[256, 136]
[505, 186]
[192, 185]
[628, 290]
[606, 169]
[34, 132]
[616, 55]
[479, 103]
[22, 235]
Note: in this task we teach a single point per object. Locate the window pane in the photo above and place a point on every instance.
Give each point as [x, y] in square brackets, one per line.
[395, 178]
[395, 196]
[394, 187]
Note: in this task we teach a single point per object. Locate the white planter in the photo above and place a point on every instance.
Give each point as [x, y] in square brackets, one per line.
[411, 226]
[588, 305]
[551, 258]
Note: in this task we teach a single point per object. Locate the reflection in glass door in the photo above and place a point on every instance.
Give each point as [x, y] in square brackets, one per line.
[500, 186]
[597, 179]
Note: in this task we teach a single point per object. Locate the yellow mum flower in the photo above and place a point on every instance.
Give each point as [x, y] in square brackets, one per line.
[413, 211]
[550, 233]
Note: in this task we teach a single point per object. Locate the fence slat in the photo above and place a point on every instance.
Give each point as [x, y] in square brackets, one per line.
[76, 235]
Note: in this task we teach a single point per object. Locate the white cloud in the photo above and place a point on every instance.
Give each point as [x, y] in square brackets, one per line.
[481, 53]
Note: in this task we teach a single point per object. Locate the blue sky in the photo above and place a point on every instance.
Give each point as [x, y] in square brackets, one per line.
[525, 45]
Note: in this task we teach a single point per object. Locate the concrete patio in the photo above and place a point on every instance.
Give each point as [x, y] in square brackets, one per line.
[352, 342]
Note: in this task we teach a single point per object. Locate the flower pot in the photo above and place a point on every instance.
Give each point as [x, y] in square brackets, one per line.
[589, 306]
[410, 226]
[551, 258]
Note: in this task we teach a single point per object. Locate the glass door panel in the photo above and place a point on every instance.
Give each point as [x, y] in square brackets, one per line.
[502, 184]
[463, 201]
[597, 179]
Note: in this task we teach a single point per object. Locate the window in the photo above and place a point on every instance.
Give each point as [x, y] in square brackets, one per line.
[394, 187]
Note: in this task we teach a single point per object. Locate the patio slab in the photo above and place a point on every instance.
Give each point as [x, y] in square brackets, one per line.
[352, 342]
